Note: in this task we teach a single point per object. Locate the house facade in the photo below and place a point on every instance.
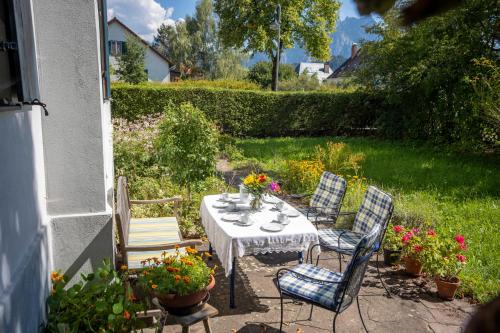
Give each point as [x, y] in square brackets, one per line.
[346, 69]
[157, 65]
[318, 69]
[56, 169]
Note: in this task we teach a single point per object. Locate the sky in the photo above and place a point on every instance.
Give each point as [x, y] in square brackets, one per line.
[146, 16]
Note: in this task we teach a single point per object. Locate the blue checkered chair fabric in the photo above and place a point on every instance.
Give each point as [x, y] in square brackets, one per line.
[375, 209]
[327, 198]
[326, 288]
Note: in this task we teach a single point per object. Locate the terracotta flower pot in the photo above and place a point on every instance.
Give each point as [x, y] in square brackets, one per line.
[413, 266]
[391, 257]
[446, 289]
[180, 305]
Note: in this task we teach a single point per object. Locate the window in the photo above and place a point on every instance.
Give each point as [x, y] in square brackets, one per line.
[10, 76]
[18, 71]
[117, 48]
[104, 48]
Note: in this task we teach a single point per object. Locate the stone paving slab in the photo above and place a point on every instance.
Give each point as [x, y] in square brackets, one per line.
[414, 307]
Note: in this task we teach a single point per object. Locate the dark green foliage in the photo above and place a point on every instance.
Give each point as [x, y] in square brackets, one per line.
[262, 73]
[131, 64]
[255, 113]
[424, 72]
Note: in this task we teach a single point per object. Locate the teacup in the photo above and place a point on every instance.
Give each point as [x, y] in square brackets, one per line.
[232, 206]
[279, 205]
[283, 218]
[224, 196]
[245, 218]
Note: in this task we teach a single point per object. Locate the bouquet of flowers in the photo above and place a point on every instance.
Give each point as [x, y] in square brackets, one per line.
[257, 185]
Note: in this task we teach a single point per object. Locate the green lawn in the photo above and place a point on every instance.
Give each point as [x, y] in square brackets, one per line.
[459, 193]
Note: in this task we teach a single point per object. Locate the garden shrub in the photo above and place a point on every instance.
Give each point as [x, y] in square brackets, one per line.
[244, 113]
[187, 144]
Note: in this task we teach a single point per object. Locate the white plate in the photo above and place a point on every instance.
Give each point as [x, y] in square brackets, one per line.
[270, 199]
[220, 205]
[272, 227]
[291, 212]
[231, 217]
[247, 224]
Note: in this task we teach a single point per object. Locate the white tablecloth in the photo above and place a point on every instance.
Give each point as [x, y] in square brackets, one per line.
[231, 240]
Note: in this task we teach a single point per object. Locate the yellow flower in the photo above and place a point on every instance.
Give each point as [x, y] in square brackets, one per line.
[124, 267]
[154, 286]
[250, 179]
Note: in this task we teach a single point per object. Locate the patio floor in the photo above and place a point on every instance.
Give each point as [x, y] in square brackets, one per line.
[414, 306]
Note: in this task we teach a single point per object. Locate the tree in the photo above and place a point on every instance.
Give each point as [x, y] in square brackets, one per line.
[248, 24]
[131, 65]
[187, 144]
[192, 43]
[229, 65]
[262, 73]
[424, 71]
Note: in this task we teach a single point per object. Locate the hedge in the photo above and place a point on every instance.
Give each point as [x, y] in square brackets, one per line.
[256, 113]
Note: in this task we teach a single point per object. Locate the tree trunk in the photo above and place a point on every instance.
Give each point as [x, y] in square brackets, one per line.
[274, 85]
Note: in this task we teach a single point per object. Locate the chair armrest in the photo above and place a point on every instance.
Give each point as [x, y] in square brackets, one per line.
[156, 201]
[347, 213]
[314, 280]
[166, 246]
[300, 196]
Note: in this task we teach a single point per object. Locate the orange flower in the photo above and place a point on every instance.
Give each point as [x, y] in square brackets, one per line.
[262, 178]
[124, 267]
[154, 286]
[54, 276]
[126, 315]
[207, 254]
[170, 269]
[177, 277]
[186, 279]
[191, 250]
[177, 246]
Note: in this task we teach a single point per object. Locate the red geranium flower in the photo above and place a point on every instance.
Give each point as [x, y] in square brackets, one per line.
[262, 178]
[431, 232]
[406, 238]
[126, 315]
[460, 239]
[415, 230]
[463, 247]
[461, 258]
[398, 228]
[418, 248]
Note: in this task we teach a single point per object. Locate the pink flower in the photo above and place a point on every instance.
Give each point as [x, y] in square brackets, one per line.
[431, 232]
[275, 187]
[418, 248]
[406, 238]
[460, 239]
[463, 246]
[461, 258]
[415, 230]
[398, 228]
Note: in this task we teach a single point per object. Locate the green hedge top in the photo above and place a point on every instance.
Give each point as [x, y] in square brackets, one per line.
[255, 113]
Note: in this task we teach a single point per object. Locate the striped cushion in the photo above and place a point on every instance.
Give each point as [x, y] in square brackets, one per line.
[329, 238]
[309, 289]
[151, 231]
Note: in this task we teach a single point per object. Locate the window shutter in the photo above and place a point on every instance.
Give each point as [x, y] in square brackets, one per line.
[26, 49]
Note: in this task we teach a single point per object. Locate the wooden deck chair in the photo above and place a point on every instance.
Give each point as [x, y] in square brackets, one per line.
[143, 238]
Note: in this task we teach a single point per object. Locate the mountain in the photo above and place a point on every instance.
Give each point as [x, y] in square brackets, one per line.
[349, 30]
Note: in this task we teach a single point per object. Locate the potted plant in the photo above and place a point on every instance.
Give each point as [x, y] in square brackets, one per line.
[392, 244]
[181, 282]
[257, 185]
[101, 302]
[445, 262]
[415, 248]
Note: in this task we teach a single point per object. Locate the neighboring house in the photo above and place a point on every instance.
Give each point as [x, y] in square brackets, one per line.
[56, 170]
[322, 70]
[157, 65]
[346, 70]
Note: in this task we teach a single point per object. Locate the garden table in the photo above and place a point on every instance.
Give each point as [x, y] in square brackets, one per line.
[231, 240]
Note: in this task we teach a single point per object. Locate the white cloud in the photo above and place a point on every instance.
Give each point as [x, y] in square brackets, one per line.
[144, 17]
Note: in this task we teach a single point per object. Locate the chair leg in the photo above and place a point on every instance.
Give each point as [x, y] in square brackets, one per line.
[311, 312]
[340, 262]
[317, 259]
[380, 278]
[360, 315]
[232, 281]
[334, 320]
[281, 315]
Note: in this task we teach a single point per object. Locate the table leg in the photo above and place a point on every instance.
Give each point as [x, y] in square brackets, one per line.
[231, 285]
[301, 257]
[185, 329]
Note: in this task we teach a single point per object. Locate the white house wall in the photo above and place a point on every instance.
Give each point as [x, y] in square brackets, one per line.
[75, 134]
[24, 236]
[158, 68]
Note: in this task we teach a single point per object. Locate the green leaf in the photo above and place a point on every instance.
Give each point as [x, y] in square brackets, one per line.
[117, 308]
